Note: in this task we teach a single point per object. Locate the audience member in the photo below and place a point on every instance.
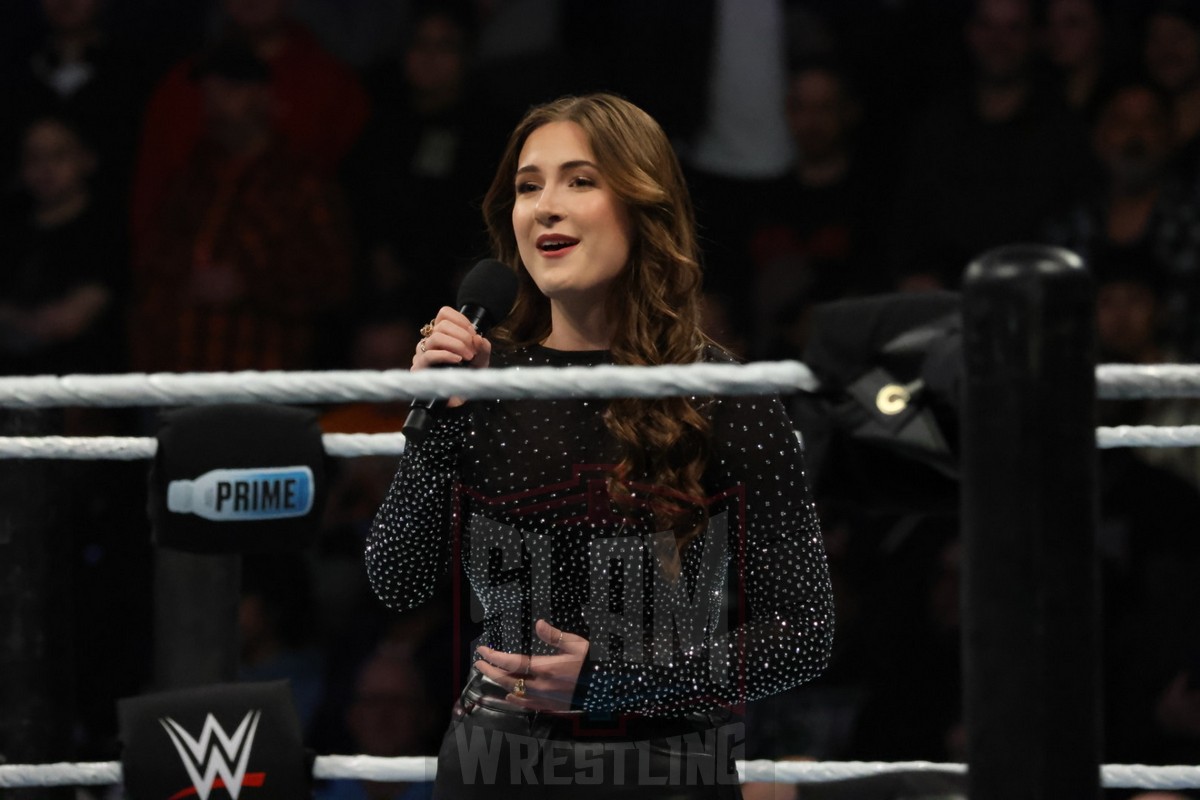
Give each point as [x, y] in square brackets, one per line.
[275, 629]
[357, 486]
[64, 262]
[658, 55]
[423, 161]
[1141, 202]
[1172, 54]
[1131, 328]
[989, 160]
[912, 707]
[526, 53]
[248, 248]
[1150, 557]
[391, 714]
[819, 238]
[319, 111]
[732, 164]
[1075, 45]
[358, 33]
[79, 70]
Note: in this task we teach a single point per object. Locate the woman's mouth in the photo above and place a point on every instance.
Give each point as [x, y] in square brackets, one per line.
[552, 245]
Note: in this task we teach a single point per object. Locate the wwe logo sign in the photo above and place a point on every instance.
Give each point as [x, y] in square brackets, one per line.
[206, 760]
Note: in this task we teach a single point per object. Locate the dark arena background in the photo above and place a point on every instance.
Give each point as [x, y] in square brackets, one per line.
[218, 186]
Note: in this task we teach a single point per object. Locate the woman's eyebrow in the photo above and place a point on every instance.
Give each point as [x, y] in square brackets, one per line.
[564, 166]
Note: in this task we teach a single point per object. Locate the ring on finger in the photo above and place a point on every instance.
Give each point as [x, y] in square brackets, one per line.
[519, 687]
[427, 329]
[558, 639]
[421, 344]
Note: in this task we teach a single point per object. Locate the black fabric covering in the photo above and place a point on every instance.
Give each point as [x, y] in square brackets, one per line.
[493, 286]
[906, 462]
[154, 727]
[193, 441]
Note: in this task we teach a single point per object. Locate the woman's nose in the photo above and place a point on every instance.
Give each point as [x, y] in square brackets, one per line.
[549, 207]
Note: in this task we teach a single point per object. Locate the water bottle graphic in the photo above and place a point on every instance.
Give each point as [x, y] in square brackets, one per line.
[244, 495]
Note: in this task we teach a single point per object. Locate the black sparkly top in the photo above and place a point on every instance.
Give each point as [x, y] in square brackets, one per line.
[522, 487]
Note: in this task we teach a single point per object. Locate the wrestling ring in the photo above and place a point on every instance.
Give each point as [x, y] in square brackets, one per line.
[1110, 381]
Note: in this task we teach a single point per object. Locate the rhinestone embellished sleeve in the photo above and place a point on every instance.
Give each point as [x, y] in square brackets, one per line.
[745, 612]
[408, 548]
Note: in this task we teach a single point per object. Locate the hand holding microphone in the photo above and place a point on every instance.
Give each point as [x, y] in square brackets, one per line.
[452, 342]
[455, 338]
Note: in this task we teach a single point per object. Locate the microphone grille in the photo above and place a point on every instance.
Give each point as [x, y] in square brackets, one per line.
[491, 285]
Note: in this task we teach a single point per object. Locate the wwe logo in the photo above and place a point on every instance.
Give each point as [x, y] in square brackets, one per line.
[204, 754]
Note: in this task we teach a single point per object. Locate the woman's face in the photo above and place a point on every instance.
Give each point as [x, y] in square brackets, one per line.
[573, 233]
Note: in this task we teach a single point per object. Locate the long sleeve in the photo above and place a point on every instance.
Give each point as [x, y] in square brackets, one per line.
[780, 631]
[408, 548]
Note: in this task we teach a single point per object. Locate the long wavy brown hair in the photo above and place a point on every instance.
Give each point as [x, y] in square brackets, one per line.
[654, 302]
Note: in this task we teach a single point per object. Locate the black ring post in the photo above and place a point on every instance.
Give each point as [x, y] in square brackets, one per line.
[1030, 577]
[37, 674]
[196, 599]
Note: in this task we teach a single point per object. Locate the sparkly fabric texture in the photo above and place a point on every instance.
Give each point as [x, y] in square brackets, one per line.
[523, 487]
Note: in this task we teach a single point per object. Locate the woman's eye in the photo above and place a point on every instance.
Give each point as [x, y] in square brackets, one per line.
[526, 187]
[582, 181]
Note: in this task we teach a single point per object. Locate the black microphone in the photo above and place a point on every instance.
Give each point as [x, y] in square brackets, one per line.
[485, 298]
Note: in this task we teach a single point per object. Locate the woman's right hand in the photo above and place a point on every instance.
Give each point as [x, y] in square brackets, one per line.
[453, 342]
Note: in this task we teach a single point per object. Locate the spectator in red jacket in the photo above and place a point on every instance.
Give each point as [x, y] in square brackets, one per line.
[320, 106]
[249, 246]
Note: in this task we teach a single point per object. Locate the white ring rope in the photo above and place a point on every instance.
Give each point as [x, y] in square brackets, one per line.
[1139, 381]
[1148, 436]
[422, 768]
[1114, 381]
[605, 380]
[354, 445]
[132, 448]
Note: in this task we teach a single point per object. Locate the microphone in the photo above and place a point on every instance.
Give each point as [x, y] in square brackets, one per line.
[485, 298]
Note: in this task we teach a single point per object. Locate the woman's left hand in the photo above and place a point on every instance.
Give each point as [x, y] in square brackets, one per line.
[549, 680]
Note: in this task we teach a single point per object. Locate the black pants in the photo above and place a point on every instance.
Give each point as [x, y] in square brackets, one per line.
[570, 755]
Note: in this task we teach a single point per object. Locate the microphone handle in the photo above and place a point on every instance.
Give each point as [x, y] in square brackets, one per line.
[421, 413]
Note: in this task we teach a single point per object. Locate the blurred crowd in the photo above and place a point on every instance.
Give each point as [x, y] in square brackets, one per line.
[295, 184]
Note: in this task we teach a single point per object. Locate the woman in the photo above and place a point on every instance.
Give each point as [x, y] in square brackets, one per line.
[599, 536]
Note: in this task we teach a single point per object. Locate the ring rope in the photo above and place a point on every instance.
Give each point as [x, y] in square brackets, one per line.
[422, 768]
[355, 445]
[1148, 436]
[1145, 381]
[1114, 381]
[606, 380]
[134, 448]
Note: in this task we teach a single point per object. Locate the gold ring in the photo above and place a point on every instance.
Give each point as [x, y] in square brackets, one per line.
[519, 687]
[558, 641]
[422, 345]
[427, 329]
